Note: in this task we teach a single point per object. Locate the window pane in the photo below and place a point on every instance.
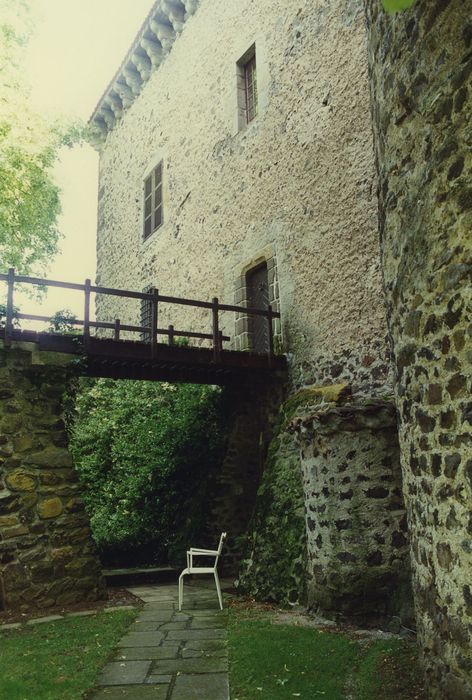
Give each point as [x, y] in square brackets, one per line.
[158, 174]
[147, 207]
[147, 228]
[158, 196]
[251, 88]
[147, 186]
[157, 218]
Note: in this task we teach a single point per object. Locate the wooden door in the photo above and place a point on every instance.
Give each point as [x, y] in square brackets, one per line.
[257, 281]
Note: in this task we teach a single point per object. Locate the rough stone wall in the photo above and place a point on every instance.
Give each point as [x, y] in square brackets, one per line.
[47, 556]
[250, 411]
[274, 564]
[358, 557]
[298, 181]
[421, 63]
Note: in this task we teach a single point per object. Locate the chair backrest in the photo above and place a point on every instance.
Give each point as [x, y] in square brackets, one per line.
[220, 546]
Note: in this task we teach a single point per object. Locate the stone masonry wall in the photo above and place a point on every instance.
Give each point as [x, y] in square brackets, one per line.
[297, 186]
[358, 558]
[249, 418]
[421, 64]
[47, 556]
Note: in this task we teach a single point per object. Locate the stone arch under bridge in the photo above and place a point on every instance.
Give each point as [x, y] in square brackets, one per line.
[47, 554]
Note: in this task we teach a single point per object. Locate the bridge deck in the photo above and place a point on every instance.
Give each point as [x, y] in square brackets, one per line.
[171, 363]
[120, 358]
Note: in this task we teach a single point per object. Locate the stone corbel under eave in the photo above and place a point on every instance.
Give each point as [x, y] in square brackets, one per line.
[154, 41]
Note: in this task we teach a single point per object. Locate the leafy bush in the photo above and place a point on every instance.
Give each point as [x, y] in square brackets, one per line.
[147, 454]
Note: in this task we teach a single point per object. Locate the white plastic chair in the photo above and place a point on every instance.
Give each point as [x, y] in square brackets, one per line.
[191, 569]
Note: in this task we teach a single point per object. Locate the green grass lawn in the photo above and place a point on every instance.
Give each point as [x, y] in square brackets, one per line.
[280, 662]
[58, 660]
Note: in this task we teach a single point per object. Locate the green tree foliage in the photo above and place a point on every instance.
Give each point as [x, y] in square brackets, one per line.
[29, 145]
[62, 322]
[147, 454]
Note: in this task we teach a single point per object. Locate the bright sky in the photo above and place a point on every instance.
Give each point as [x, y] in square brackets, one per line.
[76, 49]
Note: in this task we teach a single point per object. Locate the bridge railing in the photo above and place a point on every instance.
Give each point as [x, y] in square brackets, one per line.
[154, 298]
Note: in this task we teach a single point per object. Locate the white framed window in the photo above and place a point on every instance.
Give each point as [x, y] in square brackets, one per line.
[153, 201]
[248, 98]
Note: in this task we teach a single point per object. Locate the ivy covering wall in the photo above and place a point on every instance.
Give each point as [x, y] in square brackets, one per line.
[147, 455]
[274, 566]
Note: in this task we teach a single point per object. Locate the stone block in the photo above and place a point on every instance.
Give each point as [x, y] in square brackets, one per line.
[141, 639]
[23, 443]
[49, 508]
[131, 692]
[151, 653]
[124, 673]
[20, 480]
[51, 458]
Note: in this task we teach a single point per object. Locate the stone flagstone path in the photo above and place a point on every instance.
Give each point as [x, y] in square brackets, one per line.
[167, 655]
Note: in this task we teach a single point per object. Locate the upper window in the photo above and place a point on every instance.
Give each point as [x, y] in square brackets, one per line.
[153, 215]
[250, 84]
[247, 88]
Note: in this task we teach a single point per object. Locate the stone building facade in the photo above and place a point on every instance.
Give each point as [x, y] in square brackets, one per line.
[234, 180]
[294, 189]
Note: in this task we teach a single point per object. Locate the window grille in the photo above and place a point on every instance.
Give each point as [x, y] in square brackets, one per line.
[153, 215]
[146, 315]
[250, 83]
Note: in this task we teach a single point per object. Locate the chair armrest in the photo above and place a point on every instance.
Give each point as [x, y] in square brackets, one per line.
[209, 552]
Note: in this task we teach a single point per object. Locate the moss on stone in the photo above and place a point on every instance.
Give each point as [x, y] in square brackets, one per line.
[274, 567]
[314, 396]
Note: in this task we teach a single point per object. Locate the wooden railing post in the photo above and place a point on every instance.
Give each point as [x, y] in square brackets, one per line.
[171, 335]
[216, 330]
[271, 334]
[117, 329]
[154, 320]
[9, 313]
[88, 284]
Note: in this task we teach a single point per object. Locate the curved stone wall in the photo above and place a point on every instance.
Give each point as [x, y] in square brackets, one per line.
[421, 65]
[357, 540]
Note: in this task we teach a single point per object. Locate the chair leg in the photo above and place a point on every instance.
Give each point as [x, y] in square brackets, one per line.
[181, 591]
[218, 590]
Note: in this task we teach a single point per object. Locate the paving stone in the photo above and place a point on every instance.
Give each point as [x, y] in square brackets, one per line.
[191, 665]
[180, 616]
[205, 612]
[158, 679]
[196, 634]
[40, 620]
[202, 623]
[206, 644]
[81, 613]
[173, 626]
[114, 608]
[124, 673]
[131, 692]
[211, 686]
[162, 652]
[155, 616]
[145, 626]
[11, 626]
[200, 653]
[156, 605]
[141, 639]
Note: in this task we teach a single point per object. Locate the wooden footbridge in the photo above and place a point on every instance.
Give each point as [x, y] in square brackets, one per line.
[157, 355]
